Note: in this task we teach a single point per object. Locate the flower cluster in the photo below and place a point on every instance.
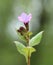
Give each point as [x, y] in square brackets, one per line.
[25, 19]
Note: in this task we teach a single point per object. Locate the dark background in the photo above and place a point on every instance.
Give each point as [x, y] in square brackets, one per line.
[42, 19]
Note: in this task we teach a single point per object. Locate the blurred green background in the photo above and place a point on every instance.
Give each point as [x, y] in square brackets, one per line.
[42, 19]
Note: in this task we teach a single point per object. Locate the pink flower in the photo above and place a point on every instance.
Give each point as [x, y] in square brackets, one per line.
[25, 18]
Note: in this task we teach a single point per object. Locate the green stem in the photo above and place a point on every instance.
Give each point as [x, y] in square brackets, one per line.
[27, 38]
[28, 61]
[28, 53]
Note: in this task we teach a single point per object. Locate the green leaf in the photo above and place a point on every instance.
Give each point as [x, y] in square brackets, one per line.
[20, 47]
[36, 39]
[28, 51]
[32, 50]
[22, 38]
[29, 33]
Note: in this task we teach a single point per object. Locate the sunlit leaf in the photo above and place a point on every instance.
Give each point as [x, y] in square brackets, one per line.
[32, 50]
[20, 47]
[36, 39]
[28, 51]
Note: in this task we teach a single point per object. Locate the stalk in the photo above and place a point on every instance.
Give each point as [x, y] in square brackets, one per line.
[28, 61]
[28, 52]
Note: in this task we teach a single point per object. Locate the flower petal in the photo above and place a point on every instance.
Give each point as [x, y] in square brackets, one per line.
[23, 15]
[20, 18]
[25, 18]
[29, 17]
